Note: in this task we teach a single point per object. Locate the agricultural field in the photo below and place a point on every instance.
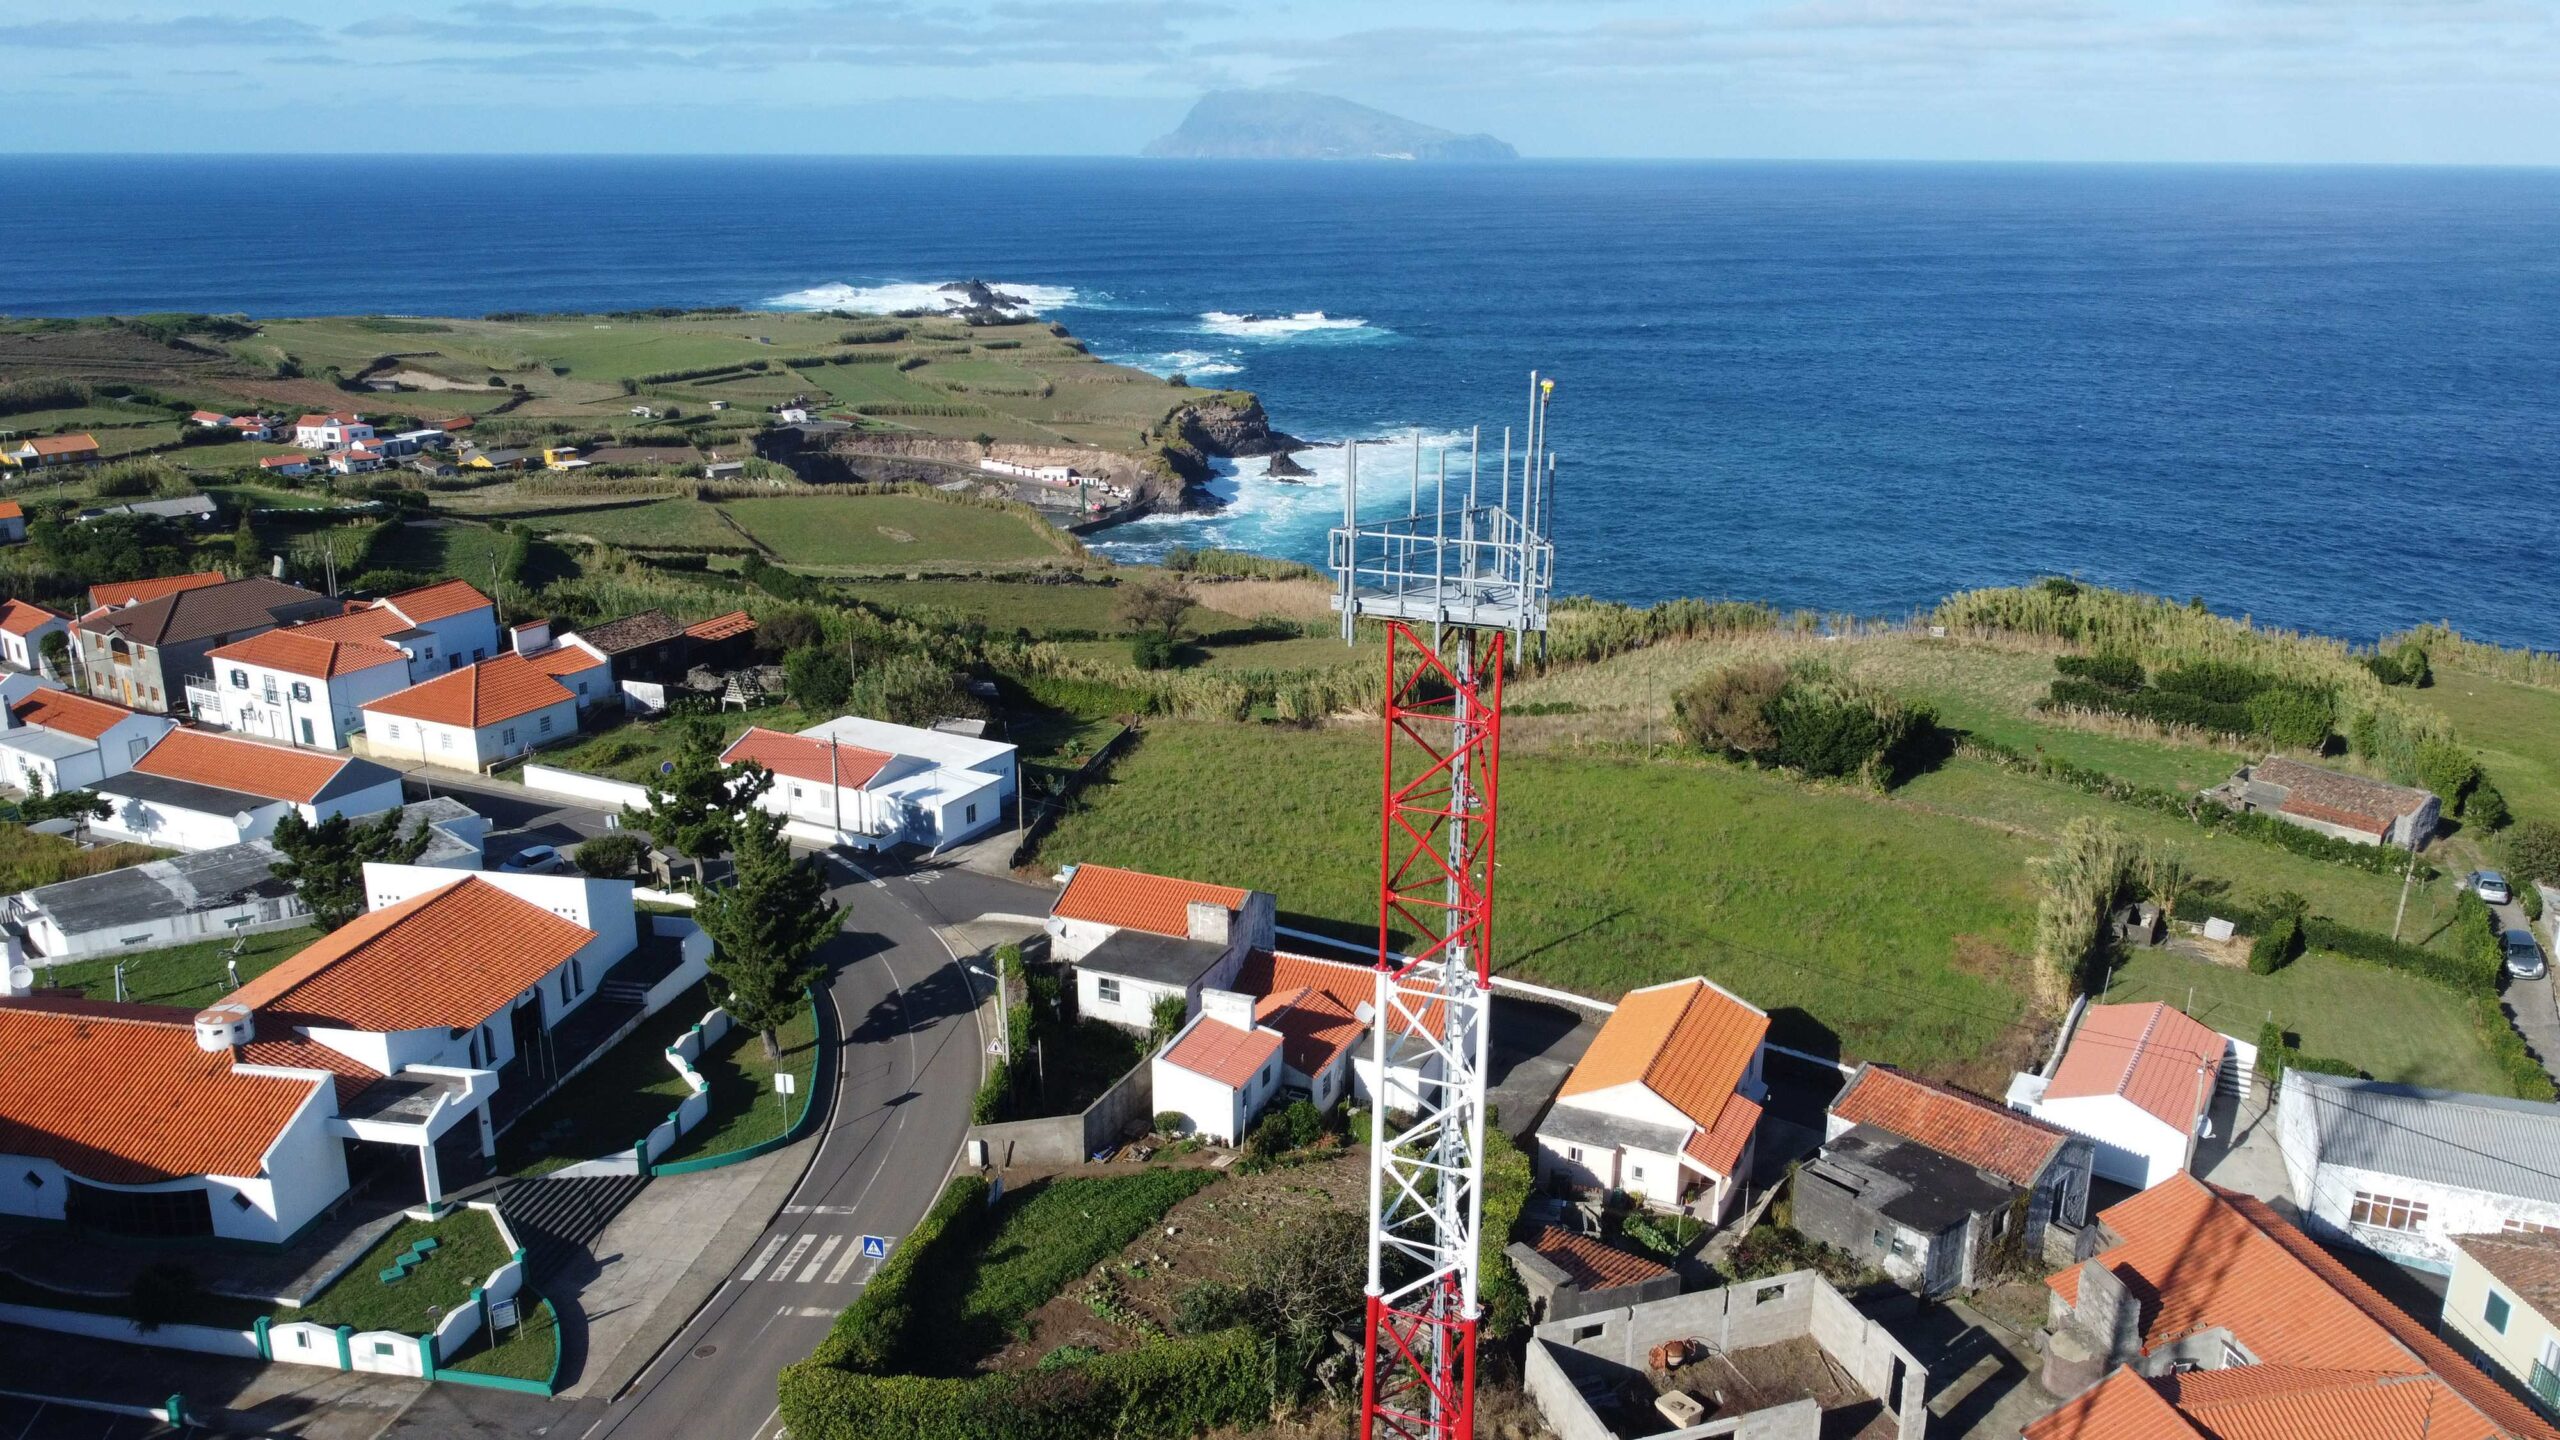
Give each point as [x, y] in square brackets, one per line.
[443, 547]
[641, 523]
[2516, 729]
[888, 530]
[1866, 928]
[2393, 1026]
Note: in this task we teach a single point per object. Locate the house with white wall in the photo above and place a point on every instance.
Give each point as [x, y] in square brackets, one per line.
[872, 785]
[52, 740]
[198, 790]
[2405, 1169]
[2502, 1308]
[1220, 1070]
[2140, 1081]
[440, 627]
[1312, 991]
[473, 718]
[23, 628]
[13, 523]
[329, 432]
[1664, 1105]
[1136, 939]
[584, 670]
[298, 687]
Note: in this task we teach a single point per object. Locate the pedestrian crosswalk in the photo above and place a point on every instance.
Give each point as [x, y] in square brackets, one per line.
[810, 1258]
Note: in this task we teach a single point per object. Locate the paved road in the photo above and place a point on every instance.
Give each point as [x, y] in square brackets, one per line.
[2530, 1002]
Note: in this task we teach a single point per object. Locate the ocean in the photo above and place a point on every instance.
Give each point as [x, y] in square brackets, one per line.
[2328, 398]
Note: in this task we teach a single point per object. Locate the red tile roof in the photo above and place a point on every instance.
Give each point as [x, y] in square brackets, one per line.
[70, 714]
[11, 510]
[20, 618]
[172, 1110]
[450, 959]
[2274, 1402]
[363, 622]
[440, 601]
[1719, 1147]
[270, 771]
[289, 1051]
[499, 689]
[1221, 1052]
[138, 592]
[2149, 1054]
[722, 627]
[1315, 1029]
[1134, 900]
[2526, 1262]
[2121, 1407]
[806, 757]
[562, 660]
[317, 420]
[1589, 1263]
[299, 652]
[1266, 972]
[62, 444]
[1689, 1042]
[284, 462]
[1986, 1136]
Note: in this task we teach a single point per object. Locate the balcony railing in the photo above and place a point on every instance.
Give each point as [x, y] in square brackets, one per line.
[2545, 1386]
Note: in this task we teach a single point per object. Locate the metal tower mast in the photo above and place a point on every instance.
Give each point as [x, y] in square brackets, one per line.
[1478, 575]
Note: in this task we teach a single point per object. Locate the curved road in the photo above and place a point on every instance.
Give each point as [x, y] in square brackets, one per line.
[909, 1068]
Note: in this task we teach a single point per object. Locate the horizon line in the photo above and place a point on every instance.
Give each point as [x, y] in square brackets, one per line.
[1257, 162]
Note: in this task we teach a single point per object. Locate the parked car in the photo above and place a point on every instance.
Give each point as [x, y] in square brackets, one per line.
[532, 860]
[2524, 956]
[2491, 886]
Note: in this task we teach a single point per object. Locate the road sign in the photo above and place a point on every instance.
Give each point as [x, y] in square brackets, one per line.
[875, 1247]
[785, 1083]
[502, 1313]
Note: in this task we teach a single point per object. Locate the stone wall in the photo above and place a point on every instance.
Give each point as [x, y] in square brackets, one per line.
[1127, 1107]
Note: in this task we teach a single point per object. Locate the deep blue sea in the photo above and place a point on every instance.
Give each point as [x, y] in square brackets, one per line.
[2326, 397]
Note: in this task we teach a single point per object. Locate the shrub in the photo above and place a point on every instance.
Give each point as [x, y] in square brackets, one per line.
[1207, 1306]
[1729, 710]
[1167, 1389]
[2293, 715]
[2271, 1048]
[1152, 650]
[1303, 1122]
[987, 1106]
[2532, 852]
[2115, 672]
[2487, 807]
[1170, 1122]
[2276, 946]
[2221, 681]
[1806, 719]
[611, 856]
[820, 677]
[2449, 771]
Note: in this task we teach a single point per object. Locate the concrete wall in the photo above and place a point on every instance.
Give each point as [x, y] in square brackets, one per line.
[1553, 1295]
[2132, 1146]
[1070, 1139]
[551, 780]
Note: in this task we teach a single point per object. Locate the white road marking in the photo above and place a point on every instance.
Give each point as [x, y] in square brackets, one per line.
[807, 1312]
[799, 1248]
[764, 1259]
[810, 1271]
[817, 1209]
[844, 1264]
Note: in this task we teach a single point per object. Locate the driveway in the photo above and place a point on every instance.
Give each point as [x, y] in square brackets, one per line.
[2530, 1003]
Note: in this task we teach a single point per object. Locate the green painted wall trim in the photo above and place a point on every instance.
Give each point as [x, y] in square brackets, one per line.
[427, 1356]
[820, 1083]
[346, 1347]
[266, 1347]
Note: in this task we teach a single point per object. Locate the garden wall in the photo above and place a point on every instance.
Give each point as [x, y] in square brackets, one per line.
[552, 780]
[1069, 1139]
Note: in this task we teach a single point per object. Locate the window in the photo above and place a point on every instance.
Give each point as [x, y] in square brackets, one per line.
[1880, 1240]
[578, 974]
[2494, 1313]
[1106, 990]
[1266, 1074]
[474, 1050]
[546, 724]
[1573, 1153]
[1762, 1295]
[395, 729]
[507, 736]
[381, 1347]
[1588, 1332]
[301, 691]
[239, 679]
[2387, 1212]
[239, 1201]
[34, 1180]
[268, 689]
[444, 741]
[2528, 1227]
[1635, 1172]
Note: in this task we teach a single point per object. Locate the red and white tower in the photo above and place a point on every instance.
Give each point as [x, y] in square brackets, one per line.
[1477, 575]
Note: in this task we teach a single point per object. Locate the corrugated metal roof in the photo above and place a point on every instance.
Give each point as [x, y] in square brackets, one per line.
[2476, 1142]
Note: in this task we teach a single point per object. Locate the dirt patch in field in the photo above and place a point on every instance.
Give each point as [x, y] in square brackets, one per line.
[1202, 1238]
[1253, 599]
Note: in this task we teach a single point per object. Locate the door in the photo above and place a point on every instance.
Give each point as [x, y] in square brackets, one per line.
[306, 730]
[531, 1053]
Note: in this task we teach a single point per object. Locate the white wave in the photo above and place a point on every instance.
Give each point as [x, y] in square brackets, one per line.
[1192, 364]
[1277, 327]
[899, 295]
[1289, 519]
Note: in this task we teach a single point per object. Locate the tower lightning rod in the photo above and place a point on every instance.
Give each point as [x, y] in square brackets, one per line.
[1417, 471]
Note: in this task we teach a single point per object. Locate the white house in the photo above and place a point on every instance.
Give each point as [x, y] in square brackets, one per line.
[23, 628]
[2403, 1169]
[1306, 995]
[291, 467]
[2502, 1306]
[1136, 939]
[388, 1036]
[329, 432]
[357, 457]
[52, 740]
[256, 427]
[872, 785]
[197, 790]
[298, 686]
[473, 718]
[206, 894]
[13, 522]
[1664, 1105]
[2140, 1081]
[1220, 1070]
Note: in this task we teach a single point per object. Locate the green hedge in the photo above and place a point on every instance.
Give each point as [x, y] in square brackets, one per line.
[871, 1334]
[2525, 1075]
[2464, 972]
[1168, 1388]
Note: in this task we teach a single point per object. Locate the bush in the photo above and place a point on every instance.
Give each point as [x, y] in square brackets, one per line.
[611, 856]
[1730, 710]
[2532, 852]
[2276, 946]
[1166, 1389]
[1303, 1122]
[2293, 716]
[820, 678]
[1805, 719]
[2115, 672]
[2271, 1048]
[1207, 1306]
[1152, 650]
[987, 1106]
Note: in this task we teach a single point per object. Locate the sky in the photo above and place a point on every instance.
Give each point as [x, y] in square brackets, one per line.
[2313, 81]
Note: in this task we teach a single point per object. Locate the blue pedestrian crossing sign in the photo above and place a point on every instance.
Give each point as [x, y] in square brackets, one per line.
[875, 1247]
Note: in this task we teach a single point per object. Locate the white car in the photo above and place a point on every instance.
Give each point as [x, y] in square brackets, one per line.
[2491, 886]
[532, 860]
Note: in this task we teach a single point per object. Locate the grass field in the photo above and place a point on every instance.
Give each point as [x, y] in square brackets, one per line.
[467, 1249]
[1880, 929]
[2395, 1027]
[444, 548]
[999, 605]
[887, 530]
[2516, 729]
[632, 751]
[190, 975]
[28, 860]
[744, 1109]
[671, 524]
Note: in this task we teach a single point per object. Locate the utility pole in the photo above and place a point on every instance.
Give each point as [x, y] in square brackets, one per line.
[2406, 877]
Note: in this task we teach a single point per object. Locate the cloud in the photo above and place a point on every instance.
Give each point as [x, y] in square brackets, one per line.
[183, 32]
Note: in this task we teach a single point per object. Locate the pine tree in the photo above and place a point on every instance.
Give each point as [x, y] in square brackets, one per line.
[326, 861]
[245, 551]
[766, 925]
[691, 805]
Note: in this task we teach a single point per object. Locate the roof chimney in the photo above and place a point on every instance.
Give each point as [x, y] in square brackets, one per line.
[1230, 1006]
[532, 637]
[1209, 922]
[225, 1026]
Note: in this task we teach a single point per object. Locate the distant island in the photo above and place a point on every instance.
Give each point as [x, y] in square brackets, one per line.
[1298, 125]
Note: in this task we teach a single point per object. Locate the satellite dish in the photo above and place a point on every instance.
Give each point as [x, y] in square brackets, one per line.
[21, 978]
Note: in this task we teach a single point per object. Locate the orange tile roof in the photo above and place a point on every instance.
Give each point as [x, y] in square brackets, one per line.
[1267, 972]
[1134, 900]
[440, 601]
[1589, 1263]
[1314, 1027]
[243, 765]
[1222, 1052]
[450, 958]
[62, 444]
[20, 618]
[2121, 1407]
[496, 690]
[2149, 1054]
[2276, 1402]
[171, 1111]
[1719, 1147]
[1986, 1136]
[139, 592]
[722, 627]
[806, 757]
[565, 660]
[11, 510]
[70, 714]
[361, 622]
[1688, 1041]
[294, 1052]
[299, 652]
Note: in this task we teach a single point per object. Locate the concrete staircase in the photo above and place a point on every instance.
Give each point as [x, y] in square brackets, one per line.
[556, 1220]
